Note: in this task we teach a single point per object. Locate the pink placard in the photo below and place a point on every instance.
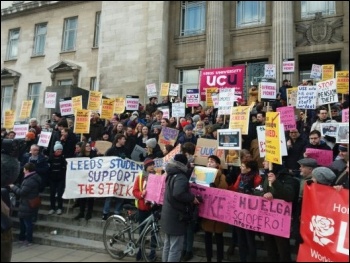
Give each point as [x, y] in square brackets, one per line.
[155, 188]
[345, 115]
[323, 157]
[230, 77]
[245, 211]
[287, 117]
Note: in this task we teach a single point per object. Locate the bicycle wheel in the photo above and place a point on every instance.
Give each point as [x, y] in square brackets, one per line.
[115, 237]
[152, 245]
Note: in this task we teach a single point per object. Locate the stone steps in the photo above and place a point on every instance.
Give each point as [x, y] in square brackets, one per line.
[87, 235]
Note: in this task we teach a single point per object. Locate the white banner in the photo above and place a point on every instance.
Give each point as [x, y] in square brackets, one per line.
[101, 177]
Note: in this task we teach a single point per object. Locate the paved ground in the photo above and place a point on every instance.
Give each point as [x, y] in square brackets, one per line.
[43, 253]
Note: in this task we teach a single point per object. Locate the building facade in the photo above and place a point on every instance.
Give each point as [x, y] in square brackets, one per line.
[119, 47]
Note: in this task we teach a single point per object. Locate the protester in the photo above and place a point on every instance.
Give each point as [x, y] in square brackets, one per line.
[29, 190]
[177, 195]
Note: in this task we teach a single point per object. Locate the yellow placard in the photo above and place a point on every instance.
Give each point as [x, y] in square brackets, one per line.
[94, 102]
[209, 92]
[119, 105]
[164, 89]
[9, 121]
[26, 109]
[342, 81]
[77, 102]
[239, 118]
[327, 72]
[82, 121]
[107, 109]
[292, 96]
[272, 137]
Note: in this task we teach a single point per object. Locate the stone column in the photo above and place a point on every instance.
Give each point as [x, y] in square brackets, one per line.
[215, 35]
[282, 36]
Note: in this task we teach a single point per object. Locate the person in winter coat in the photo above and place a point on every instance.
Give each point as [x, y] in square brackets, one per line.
[211, 226]
[29, 189]
[57, 173]
[176, 197]
[139, 192]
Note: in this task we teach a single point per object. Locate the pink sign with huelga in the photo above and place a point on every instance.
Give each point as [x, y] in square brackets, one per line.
[323, 157]
[246, 211]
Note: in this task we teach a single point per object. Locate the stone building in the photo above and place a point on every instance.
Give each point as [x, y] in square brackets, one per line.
[118, 47]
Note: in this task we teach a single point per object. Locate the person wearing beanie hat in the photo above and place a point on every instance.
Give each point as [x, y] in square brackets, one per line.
[196, 118]
[188, 127]
[135, 113]
[339, 164]
[211, 226]
[133, 117]
[139, 192]
[323, 175]
[153, 149]
[58, 146]
[187, 135]
[177, 199]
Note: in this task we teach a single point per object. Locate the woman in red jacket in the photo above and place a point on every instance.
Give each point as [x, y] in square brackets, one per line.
[245, 183]
[139, 192]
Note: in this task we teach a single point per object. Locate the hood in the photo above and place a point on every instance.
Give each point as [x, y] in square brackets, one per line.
[174, 167]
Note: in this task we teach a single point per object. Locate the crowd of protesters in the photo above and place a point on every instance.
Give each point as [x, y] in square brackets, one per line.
[253, 177]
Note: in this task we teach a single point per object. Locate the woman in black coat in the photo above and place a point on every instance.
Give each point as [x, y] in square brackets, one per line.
[29, 189]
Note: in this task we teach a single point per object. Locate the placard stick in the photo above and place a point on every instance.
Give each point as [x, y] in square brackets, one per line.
[305, 116]
[270, 169]
[329, 110]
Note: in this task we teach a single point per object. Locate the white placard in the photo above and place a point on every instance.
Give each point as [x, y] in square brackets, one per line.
[132, 104]
[174, 88]
[261, 141]
[270, 71]
[20, 130]
[327, 92]
[44, 138]
[226, 100]
[50, 100]
[288, 66]
[66, 107]
[178, 109]
[306, 97]
[316, 71]
[151, 90]
[268, 90]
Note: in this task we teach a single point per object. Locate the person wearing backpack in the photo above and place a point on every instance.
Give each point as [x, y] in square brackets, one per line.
[139, 191]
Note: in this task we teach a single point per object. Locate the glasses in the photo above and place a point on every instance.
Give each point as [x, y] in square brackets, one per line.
[313, 138]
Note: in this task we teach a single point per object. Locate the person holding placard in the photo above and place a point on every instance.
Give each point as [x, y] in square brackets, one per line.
[322, 117]
[210, 226]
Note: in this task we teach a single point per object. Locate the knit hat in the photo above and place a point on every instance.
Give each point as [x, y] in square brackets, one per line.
[152, 143]
[215, 158]
[188, 127]
[147, 162]
[159, 127]
[196, 118]
[58, 146]
[343, 148]
[135, 113]
[323, 175]
[133, 117]
[181, 158]
[30, 135]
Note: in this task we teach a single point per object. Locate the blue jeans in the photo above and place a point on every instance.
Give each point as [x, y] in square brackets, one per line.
[118, 205]
[172, 250]
[26, 229]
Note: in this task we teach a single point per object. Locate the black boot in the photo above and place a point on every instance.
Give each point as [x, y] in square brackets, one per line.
[78, 216]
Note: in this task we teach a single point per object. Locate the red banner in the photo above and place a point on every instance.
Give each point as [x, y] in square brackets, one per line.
[230, 77]
[324, 225]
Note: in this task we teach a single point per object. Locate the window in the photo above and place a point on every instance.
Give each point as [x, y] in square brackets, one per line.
[188, 79]
[69, 33]
[93, 84]
[33, 94]
[250, 13]
[12, 46]
[192, 17]
[39, 39]
[6, 100]
[65, 82]
[308, 8]
[97, 29]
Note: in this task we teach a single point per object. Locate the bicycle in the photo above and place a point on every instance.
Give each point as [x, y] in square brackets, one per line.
[119, 235]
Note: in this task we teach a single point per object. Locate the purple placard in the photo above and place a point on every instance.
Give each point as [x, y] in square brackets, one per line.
[323, 157]
[345, 115]
[245, 211]
[287, 117]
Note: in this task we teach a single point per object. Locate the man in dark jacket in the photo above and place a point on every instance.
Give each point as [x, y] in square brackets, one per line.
[29, 190]
[295, 146]
[176, 197]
